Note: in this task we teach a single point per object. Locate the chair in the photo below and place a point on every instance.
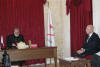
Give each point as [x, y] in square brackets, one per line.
[88, 57]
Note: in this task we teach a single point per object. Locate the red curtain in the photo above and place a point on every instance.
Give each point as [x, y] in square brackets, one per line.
[80, 17]
[44, 1]
[28, 15]
[67, 6]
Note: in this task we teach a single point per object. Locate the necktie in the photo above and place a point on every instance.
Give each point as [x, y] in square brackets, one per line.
[88, 38]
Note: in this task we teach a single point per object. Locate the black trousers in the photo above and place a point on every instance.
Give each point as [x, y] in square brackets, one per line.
[81, 55]
[95, 60]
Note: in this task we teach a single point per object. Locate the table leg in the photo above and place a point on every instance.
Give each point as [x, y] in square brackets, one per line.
[89, 64]
[45, 63]
[55, 59]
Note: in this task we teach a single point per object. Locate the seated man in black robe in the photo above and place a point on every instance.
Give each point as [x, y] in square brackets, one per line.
[12, 41]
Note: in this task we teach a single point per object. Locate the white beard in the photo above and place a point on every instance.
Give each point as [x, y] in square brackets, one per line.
[16, 35]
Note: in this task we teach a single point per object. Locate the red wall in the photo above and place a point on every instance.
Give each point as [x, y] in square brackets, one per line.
[27, 15]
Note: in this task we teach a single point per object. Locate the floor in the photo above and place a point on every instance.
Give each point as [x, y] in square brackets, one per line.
[49, 65]
[39, 65]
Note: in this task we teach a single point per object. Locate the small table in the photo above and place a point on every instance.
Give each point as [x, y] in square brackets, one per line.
[78, 63]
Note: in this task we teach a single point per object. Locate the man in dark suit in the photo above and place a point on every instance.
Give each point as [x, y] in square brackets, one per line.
[91, 43]
[13, 39]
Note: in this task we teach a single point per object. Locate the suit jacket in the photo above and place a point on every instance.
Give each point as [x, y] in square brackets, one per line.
[92, 46]
[13, 39]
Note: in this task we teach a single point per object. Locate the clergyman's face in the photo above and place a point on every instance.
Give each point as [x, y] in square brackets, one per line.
[16, 32]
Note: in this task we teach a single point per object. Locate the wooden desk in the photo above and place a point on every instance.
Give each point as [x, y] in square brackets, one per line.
[79, 63]
[32, 53]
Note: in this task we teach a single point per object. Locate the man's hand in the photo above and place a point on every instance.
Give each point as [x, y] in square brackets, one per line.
[80, 51]
[14, 45]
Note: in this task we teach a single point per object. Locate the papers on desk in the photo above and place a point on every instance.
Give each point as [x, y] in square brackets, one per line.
[71, 59]
[21, 45]
[15, 66]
